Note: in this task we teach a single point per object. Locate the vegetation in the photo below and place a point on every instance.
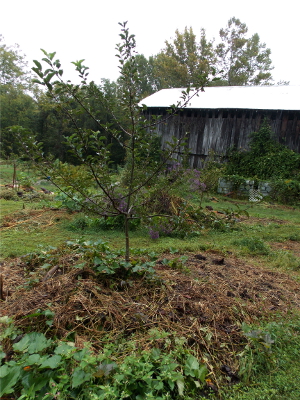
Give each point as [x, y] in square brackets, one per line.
[179, 64]
[126, 356]
[204, 300]
[267, 160]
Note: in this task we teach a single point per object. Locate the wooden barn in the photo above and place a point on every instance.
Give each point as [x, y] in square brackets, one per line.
[222, 117]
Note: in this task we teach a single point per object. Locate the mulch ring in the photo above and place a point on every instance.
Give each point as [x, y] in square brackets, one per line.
[212, 296]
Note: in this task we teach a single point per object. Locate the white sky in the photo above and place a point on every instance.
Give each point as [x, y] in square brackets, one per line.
[89, 29]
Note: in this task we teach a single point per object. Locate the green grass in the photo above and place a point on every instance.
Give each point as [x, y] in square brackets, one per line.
[274, 373]
[246, 239]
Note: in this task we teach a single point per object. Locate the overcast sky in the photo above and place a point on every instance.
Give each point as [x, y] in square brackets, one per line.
[89, 29]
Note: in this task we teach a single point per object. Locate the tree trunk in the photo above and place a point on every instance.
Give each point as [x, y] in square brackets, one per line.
[127, 252]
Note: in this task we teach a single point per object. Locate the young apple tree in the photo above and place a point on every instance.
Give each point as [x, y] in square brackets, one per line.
[92, 181]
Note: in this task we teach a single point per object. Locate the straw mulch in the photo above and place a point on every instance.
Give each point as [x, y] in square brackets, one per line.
[213, 298]
[29, 219]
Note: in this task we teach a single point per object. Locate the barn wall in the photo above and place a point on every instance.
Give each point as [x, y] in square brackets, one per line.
[218, 130]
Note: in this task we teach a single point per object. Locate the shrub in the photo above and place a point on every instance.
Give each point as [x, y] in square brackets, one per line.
[286, 191]
[266, 158]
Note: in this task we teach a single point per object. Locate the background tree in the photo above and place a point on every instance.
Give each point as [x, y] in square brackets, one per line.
[243, 60]
[18, 106]
[183, 61]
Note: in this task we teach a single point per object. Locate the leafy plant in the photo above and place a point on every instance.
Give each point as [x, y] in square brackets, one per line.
[93, 185]
[43, 368]
[106, 263]
[286, 191]
[177, 263]
[265, 158]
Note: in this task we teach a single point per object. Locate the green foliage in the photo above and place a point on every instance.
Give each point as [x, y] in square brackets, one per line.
[265, 159]
[243, 60]
[184, 62]
[43, 368]
[177, 263]
[286, 191]
[212, 170]
[92, 224]
[269, 363]
[105, 262]
[253, 245]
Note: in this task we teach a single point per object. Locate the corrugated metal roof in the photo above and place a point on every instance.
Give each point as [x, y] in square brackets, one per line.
[243, 97]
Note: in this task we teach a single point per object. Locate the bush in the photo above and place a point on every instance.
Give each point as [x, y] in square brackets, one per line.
[266, 158]
[286, 191]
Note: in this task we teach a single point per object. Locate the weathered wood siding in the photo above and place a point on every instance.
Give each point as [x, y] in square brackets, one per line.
[219, 130]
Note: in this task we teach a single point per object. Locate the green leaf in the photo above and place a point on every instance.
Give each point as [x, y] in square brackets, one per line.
[202, 372]
[192, 368]
[33, 383]
[79, 376]
[38, 72]
[51, 362]
[4, 370]
[105, 369]
[23, 344]
[38, 64]
[180, 386]
[49, 77]
[33, 359]
[33, 343]
[157, 385]
[80, 355]
[47, 61]
[51, 55]
[44, 51]
[191, 364]
[64, 349]
[9, 381]
[37, 81]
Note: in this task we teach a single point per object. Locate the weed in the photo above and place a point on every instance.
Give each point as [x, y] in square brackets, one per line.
[269, 363]
[253, 245]
[283, 258]
[294, 237]
[177, 263]
[43, 368]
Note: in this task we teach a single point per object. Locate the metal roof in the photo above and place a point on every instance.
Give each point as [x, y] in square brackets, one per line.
[232, 97]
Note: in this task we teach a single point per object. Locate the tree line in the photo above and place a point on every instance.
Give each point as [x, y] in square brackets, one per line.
[238, 59]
